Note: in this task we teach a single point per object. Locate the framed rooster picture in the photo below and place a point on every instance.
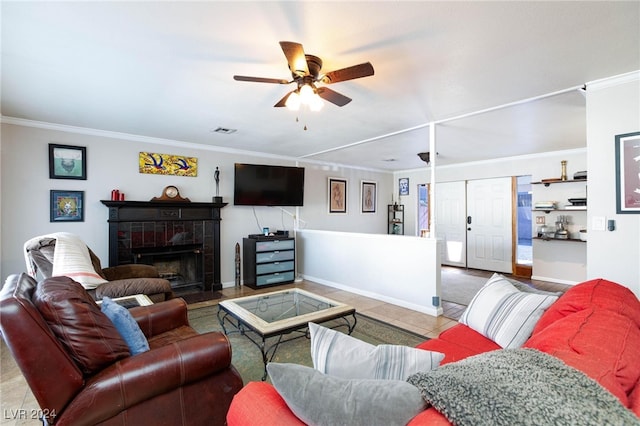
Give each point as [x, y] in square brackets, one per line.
[67, 162]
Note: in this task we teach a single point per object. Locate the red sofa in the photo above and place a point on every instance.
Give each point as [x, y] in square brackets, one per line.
[594, 327]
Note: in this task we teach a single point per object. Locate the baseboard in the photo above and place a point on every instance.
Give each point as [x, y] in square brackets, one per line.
[435, 311]
[554, 280]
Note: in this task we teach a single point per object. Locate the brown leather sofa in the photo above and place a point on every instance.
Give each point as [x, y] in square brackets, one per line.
[124, 280]
[80, 373]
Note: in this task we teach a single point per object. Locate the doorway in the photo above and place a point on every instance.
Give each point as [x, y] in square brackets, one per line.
[523, 259]
[475, 223]
[489, 224]
[423, 209]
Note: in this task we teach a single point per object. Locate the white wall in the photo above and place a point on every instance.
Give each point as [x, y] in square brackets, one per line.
[397, 269]
[613, 108]
[112, 162]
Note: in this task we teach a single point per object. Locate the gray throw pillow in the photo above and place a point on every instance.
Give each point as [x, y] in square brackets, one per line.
[319, 399]
[344, 356]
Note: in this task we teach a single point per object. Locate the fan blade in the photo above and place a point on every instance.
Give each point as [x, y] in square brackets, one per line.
[296, 57]
[260, 79]
[283, 101]
[350, 73]
[332, 96]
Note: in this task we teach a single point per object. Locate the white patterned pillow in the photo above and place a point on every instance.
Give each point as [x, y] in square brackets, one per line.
[71, 259]
[504, 314]
[340, 355]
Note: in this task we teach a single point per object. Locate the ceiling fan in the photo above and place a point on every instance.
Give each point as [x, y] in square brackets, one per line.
[305, 70]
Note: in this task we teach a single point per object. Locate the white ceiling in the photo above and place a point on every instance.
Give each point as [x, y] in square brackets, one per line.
[165, 70]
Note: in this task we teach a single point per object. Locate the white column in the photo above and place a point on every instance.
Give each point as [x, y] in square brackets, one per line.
[432, 186]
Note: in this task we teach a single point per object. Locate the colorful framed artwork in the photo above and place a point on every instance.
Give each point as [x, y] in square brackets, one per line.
[67, 162]
[628, 173]
[337, 195]
[403, 186]
[167, 164]
[368, 195]
[67, 206]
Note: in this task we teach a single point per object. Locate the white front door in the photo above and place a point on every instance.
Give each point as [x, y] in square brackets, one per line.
[451, 216]
[489, 224]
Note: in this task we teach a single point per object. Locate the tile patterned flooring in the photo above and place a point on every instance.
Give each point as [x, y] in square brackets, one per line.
[17, 403]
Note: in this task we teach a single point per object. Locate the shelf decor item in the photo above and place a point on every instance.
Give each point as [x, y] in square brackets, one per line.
[67, 206]
[67, 162]
[563, 175]
[628, 173]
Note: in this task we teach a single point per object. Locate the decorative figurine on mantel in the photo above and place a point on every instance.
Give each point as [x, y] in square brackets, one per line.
[216, 177]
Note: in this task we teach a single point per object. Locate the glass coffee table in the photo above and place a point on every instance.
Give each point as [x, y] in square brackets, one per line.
[277, 314]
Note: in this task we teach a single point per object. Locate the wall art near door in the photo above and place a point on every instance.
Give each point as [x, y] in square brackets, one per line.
[337, 195]
[403, 186]
[368, 198]
[67, 162]
[167, 164]
[628, 173]
[67, 206]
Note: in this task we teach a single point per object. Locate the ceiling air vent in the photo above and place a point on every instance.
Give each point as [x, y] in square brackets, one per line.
[224, 130]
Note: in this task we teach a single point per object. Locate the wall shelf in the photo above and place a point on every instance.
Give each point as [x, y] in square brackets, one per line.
[549, 182]
[561, 210]
[574, 240]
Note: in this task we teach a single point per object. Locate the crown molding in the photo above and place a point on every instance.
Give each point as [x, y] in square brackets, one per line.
[170, 142]
[614, 81]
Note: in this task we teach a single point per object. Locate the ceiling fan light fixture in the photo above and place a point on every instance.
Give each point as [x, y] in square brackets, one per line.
[316, 103]
[306, 94]
[293, 101]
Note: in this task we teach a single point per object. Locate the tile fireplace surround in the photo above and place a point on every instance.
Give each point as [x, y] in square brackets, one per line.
[144, 226]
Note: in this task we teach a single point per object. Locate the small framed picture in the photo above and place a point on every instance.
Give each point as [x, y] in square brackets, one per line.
[628, 173]
[67, 206]
[368, 196]
[337, 193]
[67, 162]
[403, 186]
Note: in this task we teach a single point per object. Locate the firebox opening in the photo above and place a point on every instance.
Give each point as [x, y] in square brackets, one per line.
[181, 265]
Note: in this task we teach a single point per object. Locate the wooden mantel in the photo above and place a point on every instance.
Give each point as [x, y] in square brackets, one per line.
[148, 215]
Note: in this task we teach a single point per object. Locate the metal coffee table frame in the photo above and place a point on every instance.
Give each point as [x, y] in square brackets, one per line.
[258, 330]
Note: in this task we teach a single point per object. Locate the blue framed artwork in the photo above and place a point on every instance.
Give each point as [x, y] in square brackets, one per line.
[67, 206]
[403, 186]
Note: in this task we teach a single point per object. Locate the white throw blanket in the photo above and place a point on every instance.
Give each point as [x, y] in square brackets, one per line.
[70, 258]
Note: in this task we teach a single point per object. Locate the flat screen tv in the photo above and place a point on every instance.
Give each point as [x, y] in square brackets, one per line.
[264, 185]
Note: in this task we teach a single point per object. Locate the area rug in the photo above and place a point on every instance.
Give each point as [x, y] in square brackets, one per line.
[200, 296]
[247, 357]
[460, 288]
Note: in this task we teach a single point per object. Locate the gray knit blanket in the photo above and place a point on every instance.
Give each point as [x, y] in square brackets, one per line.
[519, 387]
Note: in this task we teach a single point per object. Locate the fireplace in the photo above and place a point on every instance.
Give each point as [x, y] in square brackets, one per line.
[182, 239]
[182, 264]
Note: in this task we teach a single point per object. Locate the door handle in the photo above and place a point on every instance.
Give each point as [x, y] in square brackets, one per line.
[468, 220]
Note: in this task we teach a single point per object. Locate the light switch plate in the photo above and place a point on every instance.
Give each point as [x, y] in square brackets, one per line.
[539, 220]
[598, 223]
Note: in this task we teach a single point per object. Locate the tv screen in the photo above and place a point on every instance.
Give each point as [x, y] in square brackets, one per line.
[264, 185]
